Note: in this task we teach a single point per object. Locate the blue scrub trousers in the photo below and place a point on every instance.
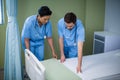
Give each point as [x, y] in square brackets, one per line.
[70, 51]
[38, 51]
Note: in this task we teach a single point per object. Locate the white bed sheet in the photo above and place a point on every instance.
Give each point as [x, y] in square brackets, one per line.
[97, 65]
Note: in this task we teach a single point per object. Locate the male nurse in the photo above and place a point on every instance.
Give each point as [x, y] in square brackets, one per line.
[71, 38]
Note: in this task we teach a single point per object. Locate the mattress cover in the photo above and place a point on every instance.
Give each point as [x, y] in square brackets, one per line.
[57, 71]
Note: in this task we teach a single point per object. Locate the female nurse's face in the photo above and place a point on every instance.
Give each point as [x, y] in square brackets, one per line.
[43, 20]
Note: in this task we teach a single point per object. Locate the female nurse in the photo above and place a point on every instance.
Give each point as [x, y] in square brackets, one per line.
[36, 28]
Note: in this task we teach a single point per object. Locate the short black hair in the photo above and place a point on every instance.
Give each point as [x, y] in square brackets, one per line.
[70, 17]
[44, 11]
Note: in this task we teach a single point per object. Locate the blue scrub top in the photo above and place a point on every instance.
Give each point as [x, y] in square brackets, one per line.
[73, 36]
[35, 32]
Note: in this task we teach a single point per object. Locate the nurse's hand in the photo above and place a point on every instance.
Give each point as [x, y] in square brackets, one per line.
[54, 55]
[78, 69]
[62, 59]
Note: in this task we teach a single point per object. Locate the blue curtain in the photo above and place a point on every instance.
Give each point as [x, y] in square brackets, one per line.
[12, 65]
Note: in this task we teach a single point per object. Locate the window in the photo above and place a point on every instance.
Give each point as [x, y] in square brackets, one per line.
[1, 12]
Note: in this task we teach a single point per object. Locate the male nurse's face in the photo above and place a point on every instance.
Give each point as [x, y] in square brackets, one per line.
[43, 20]
[69, 25]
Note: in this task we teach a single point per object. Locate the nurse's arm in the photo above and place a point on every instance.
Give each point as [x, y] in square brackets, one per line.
[62, 59]
[27, 43]
[80, 48]
[50, 41]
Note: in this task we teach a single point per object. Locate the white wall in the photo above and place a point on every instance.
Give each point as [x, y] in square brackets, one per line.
[112, 16]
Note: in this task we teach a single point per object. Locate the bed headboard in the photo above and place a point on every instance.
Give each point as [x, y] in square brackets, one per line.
[34, 68]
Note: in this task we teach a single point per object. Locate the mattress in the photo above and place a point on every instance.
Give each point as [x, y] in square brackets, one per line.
[104, 66]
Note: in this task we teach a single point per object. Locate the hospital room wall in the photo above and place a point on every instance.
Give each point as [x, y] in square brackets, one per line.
[2, 38]
[91, 12]
[94, 21]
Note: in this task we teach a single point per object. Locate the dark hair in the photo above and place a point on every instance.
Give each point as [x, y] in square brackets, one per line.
[70, 17]
[44, 11]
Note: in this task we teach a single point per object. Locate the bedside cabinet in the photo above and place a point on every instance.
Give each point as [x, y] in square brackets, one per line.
[105, 41]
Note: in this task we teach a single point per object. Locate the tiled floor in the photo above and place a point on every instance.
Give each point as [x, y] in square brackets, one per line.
[2, 75]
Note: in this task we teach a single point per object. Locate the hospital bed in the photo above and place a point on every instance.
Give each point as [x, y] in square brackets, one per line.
[104, 66]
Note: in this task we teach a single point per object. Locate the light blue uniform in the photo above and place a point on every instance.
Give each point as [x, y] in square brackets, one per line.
[36, 33]
[71, 37]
